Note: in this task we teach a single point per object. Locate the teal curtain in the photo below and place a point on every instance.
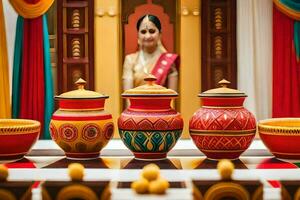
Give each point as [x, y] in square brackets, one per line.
[297, 38]
[17, 68]
[49, 102]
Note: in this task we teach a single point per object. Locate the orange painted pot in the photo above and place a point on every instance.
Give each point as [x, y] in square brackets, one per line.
[81, 126]
[149, 127]
[17, 136]
[222, 128]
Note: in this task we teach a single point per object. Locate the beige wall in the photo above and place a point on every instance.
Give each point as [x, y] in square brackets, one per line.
[190, 59]
[108, 53]
[107, 45]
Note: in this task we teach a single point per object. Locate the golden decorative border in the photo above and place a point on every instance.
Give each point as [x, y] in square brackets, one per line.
[106, 194]
[258, 194]
[223, 151]
[45, 194]
[285, 194]
[297, 194]
[27, 195]
[152, 110]
[223, 107]
[76, 191]
[7, 195]
[265, 128]
[82, 109]
[197, 194]
[222, 132]
[22, 126]
[150, 97]
[13, 154]
[280, 153]
[219, 190]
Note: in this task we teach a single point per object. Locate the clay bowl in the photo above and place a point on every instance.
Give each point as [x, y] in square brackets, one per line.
[17, 136]
[281, 136]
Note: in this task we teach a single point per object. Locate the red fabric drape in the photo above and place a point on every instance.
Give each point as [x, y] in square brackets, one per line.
[32, 78]
[286, 70]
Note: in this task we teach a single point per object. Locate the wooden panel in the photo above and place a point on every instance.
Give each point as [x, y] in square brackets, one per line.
[218, 43]
[75, 71]
[128, 7]
[75, 29]
[169, 7]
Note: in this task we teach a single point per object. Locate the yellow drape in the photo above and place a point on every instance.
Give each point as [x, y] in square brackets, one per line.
[5, 111]
[287, 11]
[30, 11]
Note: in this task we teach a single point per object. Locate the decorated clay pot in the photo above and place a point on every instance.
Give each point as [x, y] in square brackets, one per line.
[80, 126]
[149, 127]
[222, 127]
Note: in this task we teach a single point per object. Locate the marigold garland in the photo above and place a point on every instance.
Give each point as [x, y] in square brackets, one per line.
[294, 14]
[30, 11]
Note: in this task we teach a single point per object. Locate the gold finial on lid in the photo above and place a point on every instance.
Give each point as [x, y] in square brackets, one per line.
[80, 83]
[150, 79]
[224, 83]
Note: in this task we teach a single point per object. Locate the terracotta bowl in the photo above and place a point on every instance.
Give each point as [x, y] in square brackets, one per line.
[281, 136]
[17, 136]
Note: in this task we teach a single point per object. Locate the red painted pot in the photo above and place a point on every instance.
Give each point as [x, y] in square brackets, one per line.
[281, 136]
[81, 126]
[222, 127]
[149, 127]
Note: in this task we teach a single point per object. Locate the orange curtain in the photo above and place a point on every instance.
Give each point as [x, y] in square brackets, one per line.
[5, 111]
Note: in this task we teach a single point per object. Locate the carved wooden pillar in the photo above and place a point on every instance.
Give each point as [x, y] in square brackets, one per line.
[218, 43]
[75, 31]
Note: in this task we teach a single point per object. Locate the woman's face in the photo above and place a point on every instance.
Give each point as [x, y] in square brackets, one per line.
[148, 35]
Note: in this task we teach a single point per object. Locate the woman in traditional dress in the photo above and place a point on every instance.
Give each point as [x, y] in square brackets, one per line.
[151, 58]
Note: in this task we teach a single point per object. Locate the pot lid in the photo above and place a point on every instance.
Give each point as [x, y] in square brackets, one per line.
[150, 89]
[81, 93]
[223, 91]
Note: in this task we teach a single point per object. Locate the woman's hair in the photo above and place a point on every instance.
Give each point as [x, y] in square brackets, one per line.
[151, 18]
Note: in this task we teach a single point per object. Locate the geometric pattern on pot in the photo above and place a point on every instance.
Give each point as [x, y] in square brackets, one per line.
[91, 132]
[68, 132]
[150, 123]
[213, 142]
[150, 141]
[223, 119]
